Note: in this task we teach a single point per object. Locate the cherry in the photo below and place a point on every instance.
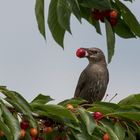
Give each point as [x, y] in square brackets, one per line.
[24, 124]
[33, 138]
[1, 133]
[33, 132]
[80, 52]
[138, 123]
[113, 17]
[70, 106]
[48, 122]
[106, 13]
[95, 14]
[100, 15]
[106, 137]
[47, 130]
[22, 133]
[113, 21]
[113, 14]
[97, 115]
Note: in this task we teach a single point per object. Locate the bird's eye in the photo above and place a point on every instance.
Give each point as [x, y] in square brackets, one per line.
[95, 52]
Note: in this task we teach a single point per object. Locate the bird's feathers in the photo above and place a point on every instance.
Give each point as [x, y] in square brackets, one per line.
[93, 81]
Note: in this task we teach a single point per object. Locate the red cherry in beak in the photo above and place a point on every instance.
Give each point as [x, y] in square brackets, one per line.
[81, 52]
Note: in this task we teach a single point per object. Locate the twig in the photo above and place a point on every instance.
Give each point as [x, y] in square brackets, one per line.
[113, 97]
[105, 97]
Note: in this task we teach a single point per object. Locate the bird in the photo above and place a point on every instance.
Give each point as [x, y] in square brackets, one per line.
[93, 81]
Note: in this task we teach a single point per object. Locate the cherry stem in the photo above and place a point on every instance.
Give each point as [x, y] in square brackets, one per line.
[105, 97]
[113, 97]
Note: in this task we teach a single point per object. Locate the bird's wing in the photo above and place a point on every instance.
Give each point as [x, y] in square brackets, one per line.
[81, 82]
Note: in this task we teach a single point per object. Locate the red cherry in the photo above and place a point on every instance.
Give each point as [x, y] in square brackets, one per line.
[95, 14]
[1, 133]
[113, 21]
[113, 17]
[97, 115]
[98, 15]
[113, 14]
[48, 130]
[138, 123]
[24, 124]
[106, 13]
[102, 16]
[34, 138]
[106, 137]
[33, 132]
[22, 133]
[48, 122]
[80, 52]
[70, 106]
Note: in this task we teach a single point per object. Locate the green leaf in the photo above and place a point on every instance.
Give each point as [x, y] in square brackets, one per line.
[6, 130]
[10, 121]
[74, 101]
[128, 108]
[128, 115]
[88, 120]
[54, 26]
[86, 14]
[129, 18]
[27, 136]
[98, 108]
[131, 136]
[108, 122]
[123, 30]
[79, 136]
[98, 4]
[96, 24]
[73, 126]
[130, 100]
[75, 8]
[56, 110]
[133, 125]
[110, 36]
[39, 12]
[44, 113]
[103, 107]
[19, 102]
[108, 104]
[119, 131]
[41, 99]
[111, 133]
[63, 14]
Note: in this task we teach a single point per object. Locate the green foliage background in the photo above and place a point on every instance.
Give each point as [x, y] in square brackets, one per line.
[121, 121]
[60, 12]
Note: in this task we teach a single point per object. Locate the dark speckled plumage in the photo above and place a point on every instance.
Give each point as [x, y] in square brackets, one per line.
[94, 79]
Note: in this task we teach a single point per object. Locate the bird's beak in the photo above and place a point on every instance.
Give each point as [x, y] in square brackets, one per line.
[88, 52]
[85, 49]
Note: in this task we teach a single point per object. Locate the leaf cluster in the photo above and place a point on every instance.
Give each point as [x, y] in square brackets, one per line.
[60, 11]
[120, 121]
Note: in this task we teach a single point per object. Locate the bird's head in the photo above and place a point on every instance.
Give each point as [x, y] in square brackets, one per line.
[95, 55]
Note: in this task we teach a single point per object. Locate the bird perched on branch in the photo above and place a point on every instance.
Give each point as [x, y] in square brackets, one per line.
[94, 79]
